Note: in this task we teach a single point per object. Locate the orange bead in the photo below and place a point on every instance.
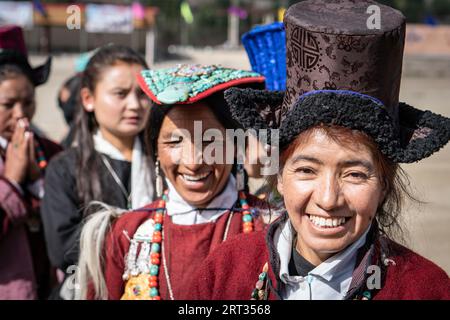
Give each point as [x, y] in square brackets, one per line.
[155, 255]
[157, 233]
[248, 229]
[155, 261]
[245, 206]
[246, 212]
[153, 284]
[156, 239]
[161, 204]
[156, 298]
[154, 278]
[248, 224]
[158, 218]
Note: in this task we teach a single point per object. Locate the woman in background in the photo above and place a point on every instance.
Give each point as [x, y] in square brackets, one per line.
[108, 162]
[25, 271]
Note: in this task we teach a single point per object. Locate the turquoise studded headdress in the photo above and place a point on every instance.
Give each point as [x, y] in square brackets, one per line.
[186, 84]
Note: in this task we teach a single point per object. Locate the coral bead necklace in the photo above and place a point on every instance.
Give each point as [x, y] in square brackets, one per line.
[157, 252]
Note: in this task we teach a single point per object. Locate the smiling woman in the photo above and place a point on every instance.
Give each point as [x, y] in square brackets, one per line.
[335, 181]
[340, 177]
[151, 253]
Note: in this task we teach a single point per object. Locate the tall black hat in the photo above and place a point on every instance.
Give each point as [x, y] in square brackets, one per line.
[344, 69]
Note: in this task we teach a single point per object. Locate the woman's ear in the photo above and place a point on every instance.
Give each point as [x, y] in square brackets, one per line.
[280, 184]
[87, 99]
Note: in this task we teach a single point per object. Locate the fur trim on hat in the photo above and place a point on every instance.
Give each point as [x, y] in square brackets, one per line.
[421, 133]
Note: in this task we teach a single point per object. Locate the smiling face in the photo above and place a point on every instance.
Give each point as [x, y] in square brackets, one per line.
[196, 181]
[119, 105]
[331, 193]
[16, 102]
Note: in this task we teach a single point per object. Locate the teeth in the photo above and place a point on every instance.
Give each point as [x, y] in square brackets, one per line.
[326, 223]
[195, 178]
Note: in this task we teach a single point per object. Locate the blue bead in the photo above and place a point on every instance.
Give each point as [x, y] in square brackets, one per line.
[156, 247]
[153, 292]
[154, 269]
[247, 218]
[158, 227]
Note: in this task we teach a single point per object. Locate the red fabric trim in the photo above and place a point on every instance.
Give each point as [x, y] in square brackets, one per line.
[203, 94]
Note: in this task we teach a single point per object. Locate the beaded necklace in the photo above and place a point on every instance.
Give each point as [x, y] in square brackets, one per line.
[40, 157]
[157, 238]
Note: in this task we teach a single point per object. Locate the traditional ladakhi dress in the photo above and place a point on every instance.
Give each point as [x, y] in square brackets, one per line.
[25, 271]
[263, 258]
[188, 237]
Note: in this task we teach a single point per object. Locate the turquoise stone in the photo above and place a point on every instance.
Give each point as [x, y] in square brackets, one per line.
[174, 93]
[367, 294]
[158, 227]
[155, 247]
[178, 84]
[153, 292]
[262, 276]
[154, 269]
[247, 218]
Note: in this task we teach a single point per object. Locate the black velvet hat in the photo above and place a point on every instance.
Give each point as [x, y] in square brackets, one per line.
[344, 69]
[14, 51]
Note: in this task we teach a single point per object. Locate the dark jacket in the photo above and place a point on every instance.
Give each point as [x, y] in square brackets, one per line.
[63, 210]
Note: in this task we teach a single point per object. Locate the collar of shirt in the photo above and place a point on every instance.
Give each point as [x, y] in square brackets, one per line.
[184, 214]
[335, 272]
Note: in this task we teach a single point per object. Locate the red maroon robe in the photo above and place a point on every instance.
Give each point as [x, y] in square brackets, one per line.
[186, 248]
[231, 273]
[25, 271]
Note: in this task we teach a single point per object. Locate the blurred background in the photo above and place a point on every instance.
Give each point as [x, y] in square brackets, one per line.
[209, 31]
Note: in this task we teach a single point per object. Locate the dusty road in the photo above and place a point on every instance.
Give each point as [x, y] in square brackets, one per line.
[428, 225]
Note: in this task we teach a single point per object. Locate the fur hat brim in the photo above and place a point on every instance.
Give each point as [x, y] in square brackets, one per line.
[38, 75]
[420, 133]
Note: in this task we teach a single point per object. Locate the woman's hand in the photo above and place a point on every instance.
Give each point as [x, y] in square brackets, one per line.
[18, 153]
[34, 172]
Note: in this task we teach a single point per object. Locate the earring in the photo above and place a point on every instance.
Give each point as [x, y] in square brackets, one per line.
[240, 179]
[159, 180]
[90, 107]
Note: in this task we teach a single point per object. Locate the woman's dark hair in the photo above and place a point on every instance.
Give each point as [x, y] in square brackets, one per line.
[70, 105]
[87, 177]
[11, 70]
